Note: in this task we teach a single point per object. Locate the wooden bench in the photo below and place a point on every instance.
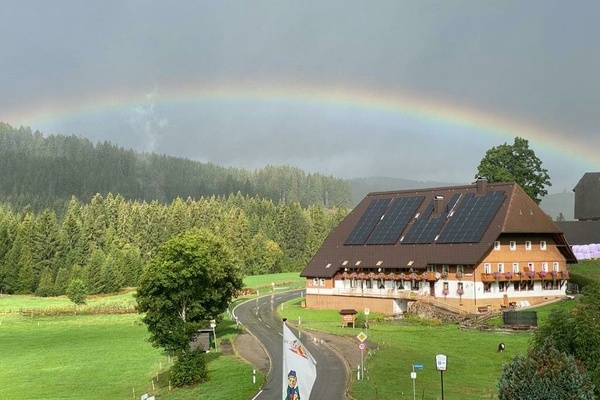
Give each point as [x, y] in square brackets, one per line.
[483, 309]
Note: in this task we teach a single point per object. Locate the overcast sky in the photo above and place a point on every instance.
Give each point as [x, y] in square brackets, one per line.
[408, 89]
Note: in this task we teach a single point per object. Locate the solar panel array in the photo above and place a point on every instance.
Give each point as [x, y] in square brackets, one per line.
[471, 218]
[394, 220]
[367, 221]
[385, 219]
[427, 227]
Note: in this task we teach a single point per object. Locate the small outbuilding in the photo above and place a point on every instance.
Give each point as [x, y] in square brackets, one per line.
[348, 317]
[202, 338]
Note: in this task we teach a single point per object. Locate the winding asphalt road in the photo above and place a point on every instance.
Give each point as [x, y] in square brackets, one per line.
[260, 318]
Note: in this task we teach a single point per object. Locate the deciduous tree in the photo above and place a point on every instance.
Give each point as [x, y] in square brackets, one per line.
[190, 281]
[518, 163]
[545, 373]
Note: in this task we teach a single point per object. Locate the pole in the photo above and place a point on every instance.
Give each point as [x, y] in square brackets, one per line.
[414, 392]
[362, 365]
[442, 378]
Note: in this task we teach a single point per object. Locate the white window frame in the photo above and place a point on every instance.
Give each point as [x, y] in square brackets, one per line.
[497, 245]
[460, 269]
[528, 245]
[322, 282]
[445, 268]
[501, 267]
[543, 245]
[555, 266]
[545, 266]
[487, 268]
[513, 245]
[531, 266]
[315, 282]
[515, 267]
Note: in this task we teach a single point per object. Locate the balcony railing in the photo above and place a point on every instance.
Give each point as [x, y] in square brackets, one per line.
[522, 276]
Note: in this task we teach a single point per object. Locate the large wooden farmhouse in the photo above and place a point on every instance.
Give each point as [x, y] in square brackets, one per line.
[467, 248]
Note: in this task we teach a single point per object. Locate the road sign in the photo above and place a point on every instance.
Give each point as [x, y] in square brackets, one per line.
[361, 336]
[362, 346]
[440, 362]
[418, 366]
[413, 375]
[367, 311]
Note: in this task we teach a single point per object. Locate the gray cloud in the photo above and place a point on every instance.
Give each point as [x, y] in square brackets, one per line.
[534, 62]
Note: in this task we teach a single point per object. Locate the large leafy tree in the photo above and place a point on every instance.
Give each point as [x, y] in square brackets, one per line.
[191, 280]
[545, 373]
[577, 333]
[516, 163]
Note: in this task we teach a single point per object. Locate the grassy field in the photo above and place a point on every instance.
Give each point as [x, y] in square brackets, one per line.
[474, 364]
[287, 280]
[91, 356]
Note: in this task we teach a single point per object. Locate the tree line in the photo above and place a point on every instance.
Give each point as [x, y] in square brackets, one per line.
[45, 171]
[107, 242]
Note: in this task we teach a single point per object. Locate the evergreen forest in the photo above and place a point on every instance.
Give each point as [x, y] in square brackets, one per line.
[74, 211]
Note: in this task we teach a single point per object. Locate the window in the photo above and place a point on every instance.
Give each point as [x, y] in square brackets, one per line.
[502, 286]
[555, 266]
[531, 266]
[515, 267]
[487, 268]
[445, 268]
[543, 245]
[315, 282]
[431, 268]
[500, 267]
[322, 282]
[545, 266]
[487, 287]
[528, 245]
[513, 245]
[497, 245]
[460, 269]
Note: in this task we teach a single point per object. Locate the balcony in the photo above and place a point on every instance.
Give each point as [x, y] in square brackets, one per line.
[530, 275]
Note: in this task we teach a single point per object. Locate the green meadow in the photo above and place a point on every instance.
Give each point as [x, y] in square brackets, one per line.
[52, 349]
[59, 351]
[474, 364]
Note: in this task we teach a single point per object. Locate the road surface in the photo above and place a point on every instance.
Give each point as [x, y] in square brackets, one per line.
[260, 318]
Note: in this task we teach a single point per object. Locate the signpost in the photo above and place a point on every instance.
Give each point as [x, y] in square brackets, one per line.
[361, 346]
[413, 376]
[441, 363]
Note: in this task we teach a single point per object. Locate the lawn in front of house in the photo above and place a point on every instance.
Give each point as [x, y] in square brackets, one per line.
[474, 363]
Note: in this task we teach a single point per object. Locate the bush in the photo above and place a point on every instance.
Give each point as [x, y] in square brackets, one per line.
[189, 369]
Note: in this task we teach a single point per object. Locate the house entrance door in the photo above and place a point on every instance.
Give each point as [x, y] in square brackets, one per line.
[432, 288]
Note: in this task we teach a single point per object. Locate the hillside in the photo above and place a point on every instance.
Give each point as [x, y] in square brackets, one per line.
[46, 171]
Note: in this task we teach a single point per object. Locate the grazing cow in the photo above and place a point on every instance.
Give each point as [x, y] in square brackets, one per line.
[501, 347]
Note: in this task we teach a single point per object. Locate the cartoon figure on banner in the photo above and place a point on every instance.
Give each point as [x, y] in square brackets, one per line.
[292, 393]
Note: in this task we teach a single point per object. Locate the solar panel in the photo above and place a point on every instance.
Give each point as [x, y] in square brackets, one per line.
[367, 221]
[428, 226]
[472, 217]
[395, 219]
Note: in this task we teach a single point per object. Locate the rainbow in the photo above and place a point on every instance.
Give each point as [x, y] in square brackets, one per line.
[354, 99]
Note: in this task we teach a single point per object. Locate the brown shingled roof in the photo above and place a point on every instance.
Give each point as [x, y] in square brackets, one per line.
[513, 212]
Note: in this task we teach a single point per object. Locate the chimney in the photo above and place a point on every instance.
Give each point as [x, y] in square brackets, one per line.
[438, 205]
[481, 185]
